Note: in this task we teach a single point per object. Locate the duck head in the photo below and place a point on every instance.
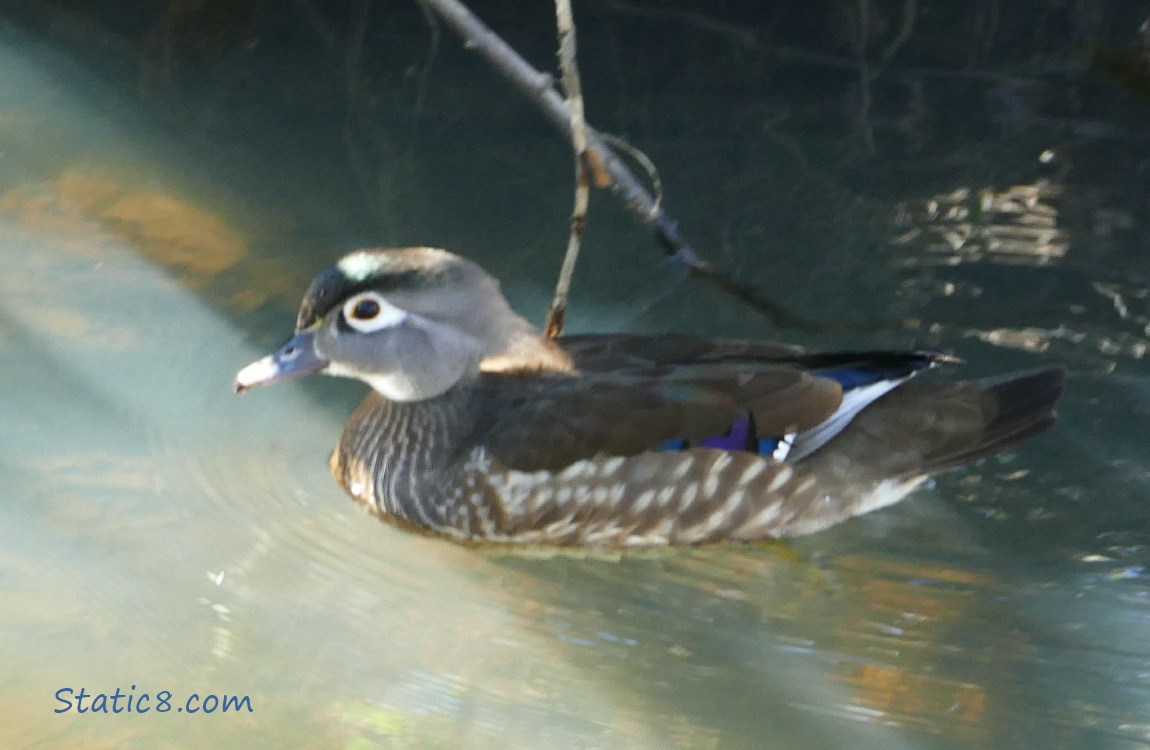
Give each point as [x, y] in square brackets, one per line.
[410, 322]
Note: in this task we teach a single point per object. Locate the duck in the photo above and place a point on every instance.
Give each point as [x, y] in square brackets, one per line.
[479, 429]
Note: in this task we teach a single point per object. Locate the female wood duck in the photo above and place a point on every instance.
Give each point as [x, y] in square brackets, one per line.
[480, 429]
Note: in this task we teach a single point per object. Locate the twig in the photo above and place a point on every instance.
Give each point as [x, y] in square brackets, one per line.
[567, 64]
[644, 161]
[539, 88]
[609, 171]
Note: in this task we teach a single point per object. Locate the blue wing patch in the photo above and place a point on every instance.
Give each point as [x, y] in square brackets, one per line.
[870, 381]
[851, 378]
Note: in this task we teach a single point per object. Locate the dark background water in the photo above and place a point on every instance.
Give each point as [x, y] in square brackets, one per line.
[974, 174]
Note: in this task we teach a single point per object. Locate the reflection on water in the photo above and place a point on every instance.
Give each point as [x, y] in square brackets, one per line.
[160, 532]
[967, 225]
[1020, 227]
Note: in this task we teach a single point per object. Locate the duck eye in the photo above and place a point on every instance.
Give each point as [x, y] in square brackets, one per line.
[365, 309]
[369, 312]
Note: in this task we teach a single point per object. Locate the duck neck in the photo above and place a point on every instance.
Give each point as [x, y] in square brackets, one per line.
[391, 452]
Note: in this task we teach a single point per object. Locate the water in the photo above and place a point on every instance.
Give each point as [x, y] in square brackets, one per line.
[158, 531]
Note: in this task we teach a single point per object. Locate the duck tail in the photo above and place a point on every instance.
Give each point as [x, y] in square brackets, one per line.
[1015, 407]
[920, 429]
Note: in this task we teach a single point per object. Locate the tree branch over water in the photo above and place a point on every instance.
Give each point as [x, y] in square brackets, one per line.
[566, 27]
[607, 168]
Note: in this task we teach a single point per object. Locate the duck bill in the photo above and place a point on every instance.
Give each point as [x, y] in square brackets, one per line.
[296, 357]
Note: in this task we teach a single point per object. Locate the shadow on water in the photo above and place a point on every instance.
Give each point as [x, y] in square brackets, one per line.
[159, 532]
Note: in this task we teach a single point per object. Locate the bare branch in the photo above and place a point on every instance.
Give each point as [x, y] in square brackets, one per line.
[539, 88]
[606, 167]
[644, 161]
[567, 63]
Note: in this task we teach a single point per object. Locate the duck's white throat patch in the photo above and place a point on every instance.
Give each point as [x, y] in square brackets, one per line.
[396, 386]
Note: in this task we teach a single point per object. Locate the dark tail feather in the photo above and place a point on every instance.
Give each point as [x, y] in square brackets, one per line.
[919, 429]
[1019, 406]
[924, 427]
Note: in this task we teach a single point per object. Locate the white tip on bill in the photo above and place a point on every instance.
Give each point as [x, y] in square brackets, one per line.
[256, 374]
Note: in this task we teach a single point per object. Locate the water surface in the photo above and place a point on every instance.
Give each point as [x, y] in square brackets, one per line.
[160, 532]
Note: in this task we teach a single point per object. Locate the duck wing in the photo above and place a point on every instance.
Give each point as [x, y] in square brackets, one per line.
[703, 495]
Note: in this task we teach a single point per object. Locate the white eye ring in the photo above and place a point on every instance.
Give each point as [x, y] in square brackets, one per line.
[369, 312]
